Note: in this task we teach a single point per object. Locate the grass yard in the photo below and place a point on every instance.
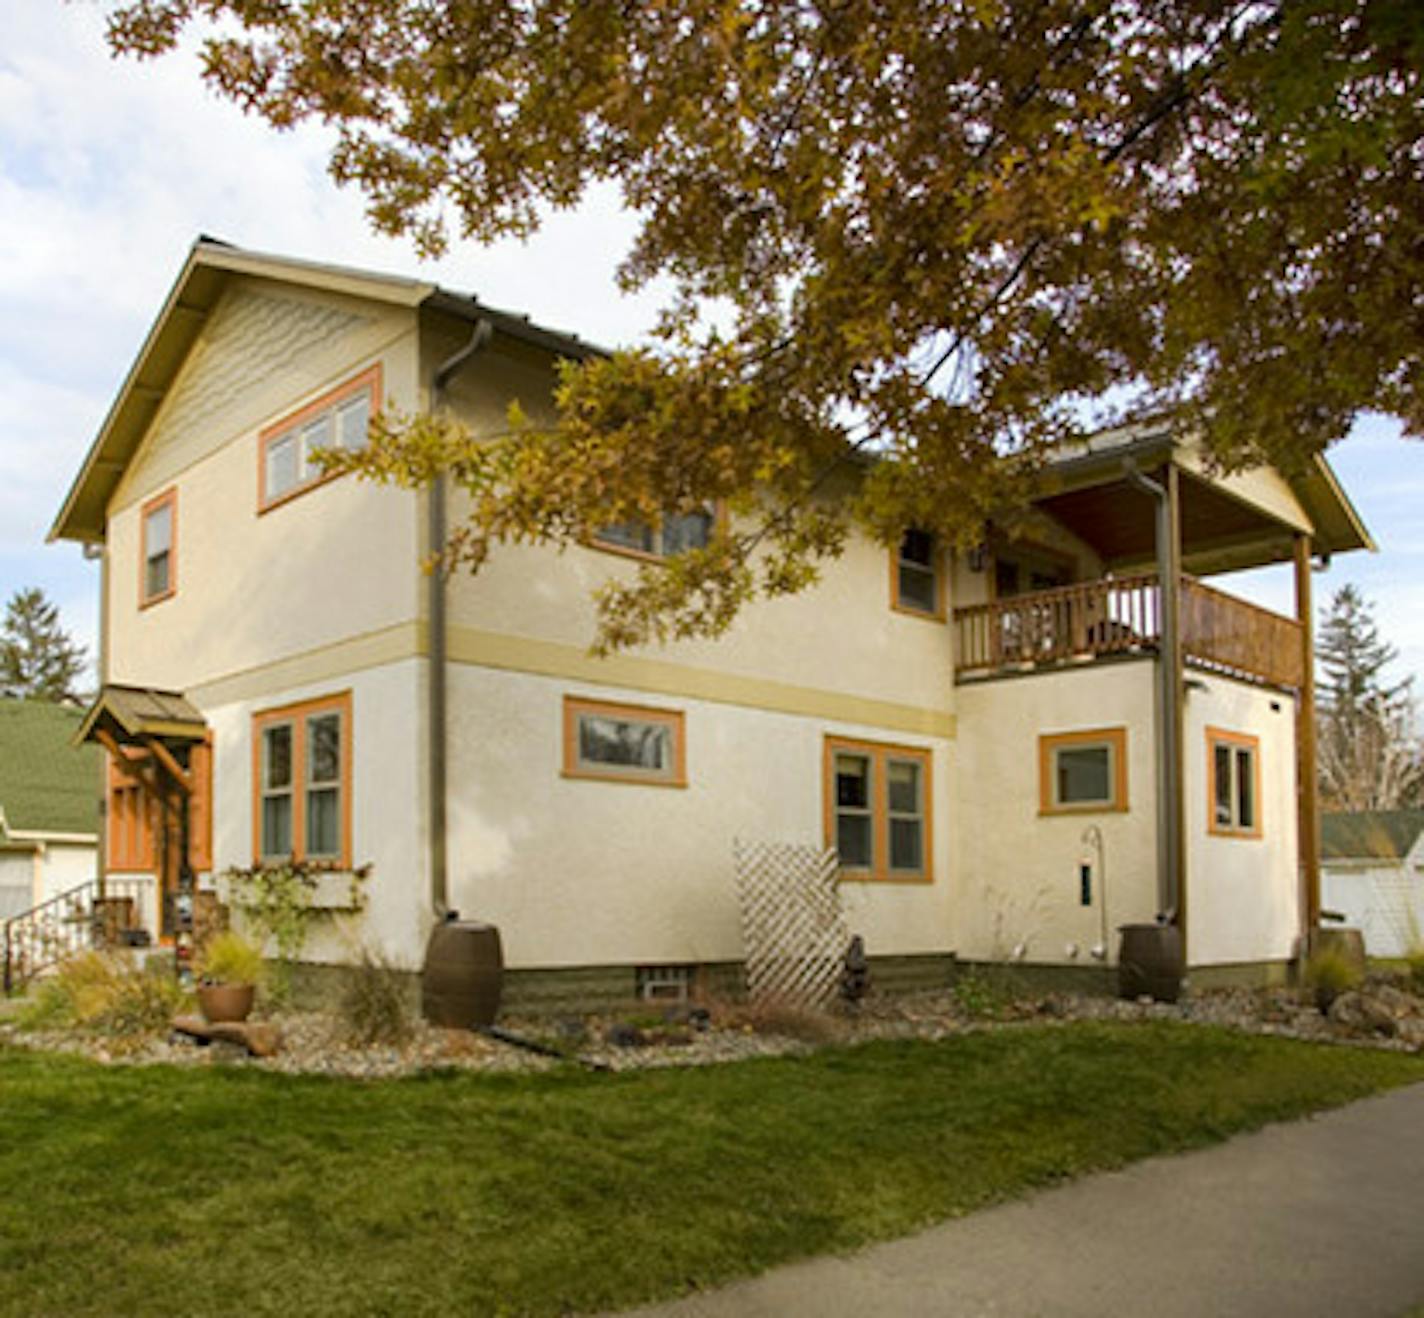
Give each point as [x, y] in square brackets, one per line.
[228, 1191]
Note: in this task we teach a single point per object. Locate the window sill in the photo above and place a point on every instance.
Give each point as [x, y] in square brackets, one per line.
[924, 615]
[896, 880]
[158, 599]
[1091, 808]
[583, 776]
[1240, 834]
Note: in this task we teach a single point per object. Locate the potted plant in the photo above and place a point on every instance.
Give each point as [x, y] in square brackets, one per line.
[230, 968]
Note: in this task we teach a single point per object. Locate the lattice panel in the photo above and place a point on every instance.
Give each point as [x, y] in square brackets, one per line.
[792, 923]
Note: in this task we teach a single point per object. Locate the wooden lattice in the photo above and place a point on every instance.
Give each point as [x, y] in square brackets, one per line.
[792, 923]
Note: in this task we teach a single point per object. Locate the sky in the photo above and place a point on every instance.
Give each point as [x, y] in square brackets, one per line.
[109, 169]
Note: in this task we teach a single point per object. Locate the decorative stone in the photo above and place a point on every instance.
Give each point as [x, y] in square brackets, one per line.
[258, 1037]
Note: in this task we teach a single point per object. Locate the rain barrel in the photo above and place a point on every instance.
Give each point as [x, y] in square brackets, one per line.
[463, 975]
[1149, 962]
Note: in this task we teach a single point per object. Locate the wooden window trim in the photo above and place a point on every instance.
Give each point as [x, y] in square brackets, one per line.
[1051, 742]
[878, 752]
[369, 380]
[170, 498]
[674, 719]
[720, 522]
[297, 714]
[1237, 741]
[937, 564]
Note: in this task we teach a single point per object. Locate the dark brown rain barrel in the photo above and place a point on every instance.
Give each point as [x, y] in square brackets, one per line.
[1149, 962]
[463, 975]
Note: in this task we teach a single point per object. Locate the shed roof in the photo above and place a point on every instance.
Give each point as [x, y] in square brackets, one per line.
[1370, 834]
[47, 784]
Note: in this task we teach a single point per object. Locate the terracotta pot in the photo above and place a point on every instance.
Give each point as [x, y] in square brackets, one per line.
[226, 1002]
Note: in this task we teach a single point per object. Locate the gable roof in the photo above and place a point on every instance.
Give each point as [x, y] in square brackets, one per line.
[47, 784]
[210, 266]
[1370, 834]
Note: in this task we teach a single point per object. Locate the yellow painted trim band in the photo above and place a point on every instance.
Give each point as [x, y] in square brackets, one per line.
[470, 645]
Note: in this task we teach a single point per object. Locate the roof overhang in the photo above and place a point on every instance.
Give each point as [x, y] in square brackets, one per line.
[136, 716]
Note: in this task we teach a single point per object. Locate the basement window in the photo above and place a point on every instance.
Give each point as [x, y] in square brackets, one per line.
[664, 983]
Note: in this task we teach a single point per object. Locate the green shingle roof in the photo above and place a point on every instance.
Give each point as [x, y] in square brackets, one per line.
[47, 785]
[1370, 834]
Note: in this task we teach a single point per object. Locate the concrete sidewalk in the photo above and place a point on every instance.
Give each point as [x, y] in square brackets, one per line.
[1317, 1217]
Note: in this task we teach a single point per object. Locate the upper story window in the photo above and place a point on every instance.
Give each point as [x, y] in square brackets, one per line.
[1082, 772]
[624, 743]
[1233, 783]
[302, 782]
[159, 568]
[671, 535]
[878, 810]
[338, 419]
[917, 576]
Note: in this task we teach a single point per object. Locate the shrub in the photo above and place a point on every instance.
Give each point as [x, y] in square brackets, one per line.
[1329, 973]
[789, 1020]
[986, 994]
[373, 1001]
[229, 958]
[107, 993]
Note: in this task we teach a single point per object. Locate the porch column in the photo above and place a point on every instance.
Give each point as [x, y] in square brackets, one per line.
[1307, 781]
[1174, 688]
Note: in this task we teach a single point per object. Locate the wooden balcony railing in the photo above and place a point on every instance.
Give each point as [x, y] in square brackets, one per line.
[1123, 615]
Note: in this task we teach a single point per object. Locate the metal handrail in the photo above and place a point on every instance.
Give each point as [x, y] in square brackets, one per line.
[62, 925]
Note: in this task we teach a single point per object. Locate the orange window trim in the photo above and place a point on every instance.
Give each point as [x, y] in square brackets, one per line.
[1224, 737]
[673, 719]
[720, 520]
[297, 714]
[878, 752]
[369, 380]
[1052, 742]
[169, 497]
[898, 605]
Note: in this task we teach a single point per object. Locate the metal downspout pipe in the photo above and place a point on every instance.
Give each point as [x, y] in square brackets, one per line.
[1170, 695]
[436, 703]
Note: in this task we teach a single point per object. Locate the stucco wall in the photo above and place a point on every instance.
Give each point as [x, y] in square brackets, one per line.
[576, 871]
[1243, 892]
[1016, 879]
[335, 562]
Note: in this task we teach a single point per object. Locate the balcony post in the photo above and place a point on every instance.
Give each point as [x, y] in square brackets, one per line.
[1174, 690]
[1307, 780]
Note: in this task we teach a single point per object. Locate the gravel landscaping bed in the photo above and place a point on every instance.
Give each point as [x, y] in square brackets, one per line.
[1380, 1015]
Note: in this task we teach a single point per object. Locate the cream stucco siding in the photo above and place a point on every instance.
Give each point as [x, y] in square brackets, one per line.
[336, 561]
[1016, 871]
[1243, 893]
[582, 872]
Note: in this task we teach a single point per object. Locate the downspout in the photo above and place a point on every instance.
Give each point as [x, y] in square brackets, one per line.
[435, 710]
[1169, 786]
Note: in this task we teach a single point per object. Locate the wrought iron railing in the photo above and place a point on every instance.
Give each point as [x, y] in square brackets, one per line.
[74, 921]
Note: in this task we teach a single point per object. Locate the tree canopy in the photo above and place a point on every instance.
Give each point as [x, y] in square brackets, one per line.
[951, 234]
[38, 660]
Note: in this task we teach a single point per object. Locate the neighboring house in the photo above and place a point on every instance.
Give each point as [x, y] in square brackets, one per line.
[1011, 752]
[1372, 867]
[49, 804]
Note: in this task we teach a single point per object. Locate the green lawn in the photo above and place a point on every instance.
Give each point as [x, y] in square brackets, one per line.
[155, 1190]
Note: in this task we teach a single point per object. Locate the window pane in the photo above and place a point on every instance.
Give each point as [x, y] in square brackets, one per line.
[158, 530]
[281, 465]
[1222, 772]
[689, 531]
[918, 547]
[1245, 790]
[907, 844]
[315, 434]
[276, 825]
[155, 575]
[853, 781]
[903, 779]
[624, 743]
[324, 748]
[1084, 775]
[277, 756]
[853, 834]
[917, 588]
[629, 535]
[353, 420]
[324, 822]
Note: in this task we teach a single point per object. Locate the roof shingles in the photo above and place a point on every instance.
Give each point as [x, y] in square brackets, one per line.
[47, 785]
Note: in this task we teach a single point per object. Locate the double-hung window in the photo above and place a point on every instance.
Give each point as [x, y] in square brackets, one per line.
[917, 577]
[878, 810]
[302, 771]
[670, 535]
[338, 419]
[1082, 772]
[1233, 783]
[159, 568]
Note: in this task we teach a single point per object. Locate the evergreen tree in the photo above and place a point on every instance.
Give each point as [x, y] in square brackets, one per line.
[38, 660]
[1370, 757]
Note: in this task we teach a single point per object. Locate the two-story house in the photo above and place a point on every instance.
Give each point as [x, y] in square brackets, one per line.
[1015, 750]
